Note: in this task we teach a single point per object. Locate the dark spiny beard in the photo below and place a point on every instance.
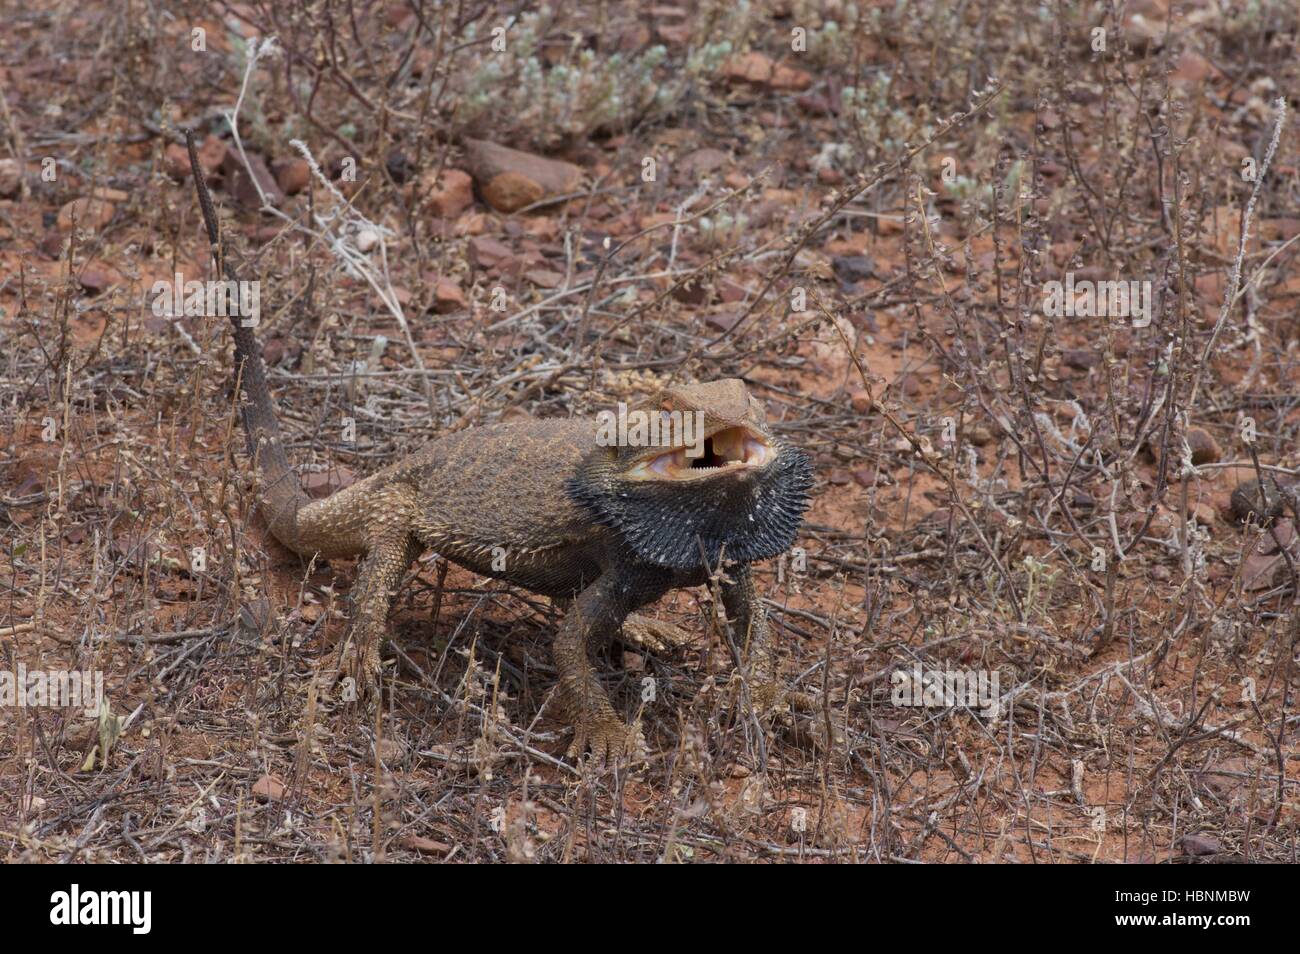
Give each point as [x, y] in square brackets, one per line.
[746, 518]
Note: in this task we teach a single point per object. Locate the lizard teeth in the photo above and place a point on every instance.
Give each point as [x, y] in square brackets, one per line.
[730, 448]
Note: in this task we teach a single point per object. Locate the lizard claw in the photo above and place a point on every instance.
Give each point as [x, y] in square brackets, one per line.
[654, 635]
[355, 675]
[804, 723]
[798, 716]
[608, 740]
[769, 697]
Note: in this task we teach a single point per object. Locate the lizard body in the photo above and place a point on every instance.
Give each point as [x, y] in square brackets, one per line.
[547, 506]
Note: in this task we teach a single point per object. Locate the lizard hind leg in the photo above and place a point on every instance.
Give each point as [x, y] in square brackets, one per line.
[355, 663]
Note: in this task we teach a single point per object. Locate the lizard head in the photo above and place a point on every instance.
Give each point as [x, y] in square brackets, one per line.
[694, 473]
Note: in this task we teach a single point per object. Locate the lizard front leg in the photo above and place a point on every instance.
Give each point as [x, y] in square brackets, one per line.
[592, 620]
[748, 618]
[647, 632]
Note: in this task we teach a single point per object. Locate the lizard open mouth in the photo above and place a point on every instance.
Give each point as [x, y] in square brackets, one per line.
[734, 448]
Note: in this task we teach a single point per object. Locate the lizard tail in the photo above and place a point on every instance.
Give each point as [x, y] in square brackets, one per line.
[280, 495]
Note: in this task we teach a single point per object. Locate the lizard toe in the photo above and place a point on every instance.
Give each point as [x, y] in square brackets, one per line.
[606, 741]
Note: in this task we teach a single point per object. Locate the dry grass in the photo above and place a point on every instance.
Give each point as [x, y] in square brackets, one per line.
[974, 454]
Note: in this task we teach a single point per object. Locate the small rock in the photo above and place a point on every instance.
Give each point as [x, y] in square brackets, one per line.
[758, 69]
[1201, 845]
[1083, 501]
[853, 268]
[96, 277]
[789, 79]
[724, 320]
[1081, 359]
[241, 186]
[1190, 68]
[544, 278]
[731, 292]
[447, 297]
[53, 245]
[291, 175]
[815, 104]
[176, 158]
[872, 477]
[176, 161]
[212, 155]
[511, 179]
[29, 479]
[674, 34]
[86, 213]
[1143, 35]
[450, 194]
[1204, 448]
[749, 68]
[1051, 171]
[269, 789]
[398, 165]
[424, 845]
[1280, 536]
[512, 191]
[392, 751]
[909, 384]
[323, 483]
[1281, 229]
[11, 178]
[1246, 502]
[367, 239]
[700, 163]
[692, 293]
[1265, 564]
[486, 252]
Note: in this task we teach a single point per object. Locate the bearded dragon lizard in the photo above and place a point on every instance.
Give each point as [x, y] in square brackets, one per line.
[602, 529]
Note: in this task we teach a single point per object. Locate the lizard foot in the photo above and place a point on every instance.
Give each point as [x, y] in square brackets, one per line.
[807, 725]
[607, 738]
[355, 675]
[654, 635]
[798, 716]
[769, 697]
